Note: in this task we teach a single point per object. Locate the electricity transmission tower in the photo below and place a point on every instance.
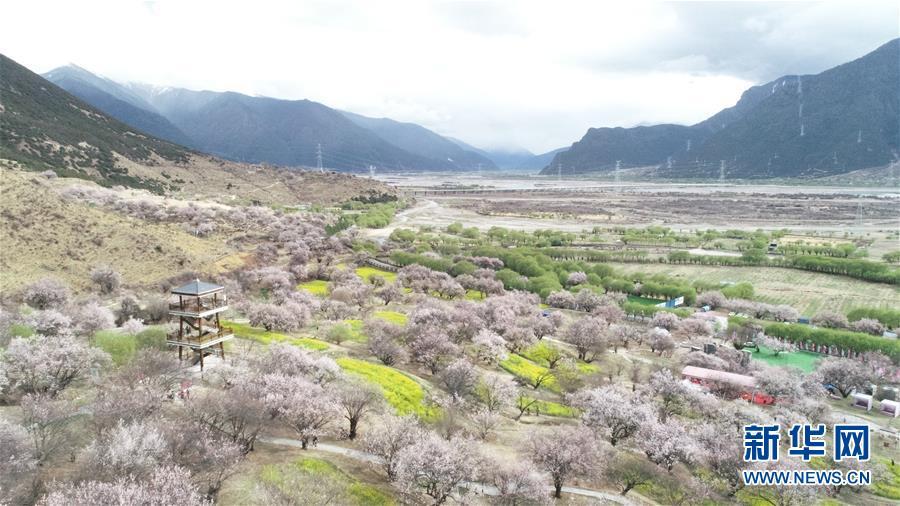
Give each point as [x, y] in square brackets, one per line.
[371, 172]
[859, 215]
[319, 157]
[559, 172]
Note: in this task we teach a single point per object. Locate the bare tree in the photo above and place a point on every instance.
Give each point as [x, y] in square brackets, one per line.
[524, 404]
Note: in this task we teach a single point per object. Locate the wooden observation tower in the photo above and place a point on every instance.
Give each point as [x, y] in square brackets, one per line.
[197, 306]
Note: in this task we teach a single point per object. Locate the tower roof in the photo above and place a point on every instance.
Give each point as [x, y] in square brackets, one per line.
[197, 287]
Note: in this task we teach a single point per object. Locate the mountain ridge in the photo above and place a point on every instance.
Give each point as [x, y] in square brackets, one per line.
[270, 130]
[837, 121]
[45, 128]
[423, 142]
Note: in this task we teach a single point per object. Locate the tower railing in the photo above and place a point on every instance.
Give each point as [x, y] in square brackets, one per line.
[193, 306]
[212, 334]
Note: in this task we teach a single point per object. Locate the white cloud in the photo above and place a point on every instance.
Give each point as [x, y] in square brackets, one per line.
[529, 73]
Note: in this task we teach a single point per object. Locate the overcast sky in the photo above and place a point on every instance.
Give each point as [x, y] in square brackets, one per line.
[495, 74]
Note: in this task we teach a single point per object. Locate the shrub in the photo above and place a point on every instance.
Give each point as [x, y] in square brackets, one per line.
[106, 279]
[46, 293]
[120, 346]
[890, 318]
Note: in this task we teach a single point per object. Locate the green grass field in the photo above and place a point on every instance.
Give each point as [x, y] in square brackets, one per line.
[122, 347]
[890, 487]
[264, 336]
[808, 292]
[401, 391]
[292, 477]
[804, 360]
[644, 300]
[368, 272]
[475, 295]
[391, 316]
[521, 367]
[316, 287]
[539, 351]
[550, 408]
[356, 331]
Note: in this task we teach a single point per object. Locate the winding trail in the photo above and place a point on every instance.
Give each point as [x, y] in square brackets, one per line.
[477, 487]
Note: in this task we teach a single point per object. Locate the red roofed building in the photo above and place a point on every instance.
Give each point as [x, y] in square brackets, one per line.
[708, 377]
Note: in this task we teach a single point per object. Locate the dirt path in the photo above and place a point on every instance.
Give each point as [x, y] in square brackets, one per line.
[435, 213]
[476, 487]
[402, 219]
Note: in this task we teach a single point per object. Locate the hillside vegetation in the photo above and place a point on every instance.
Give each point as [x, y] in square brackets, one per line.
[42, 232]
